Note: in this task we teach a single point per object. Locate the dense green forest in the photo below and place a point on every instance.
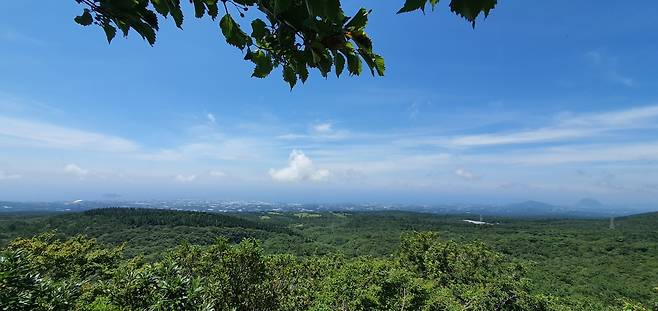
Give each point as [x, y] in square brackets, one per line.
[138, 259]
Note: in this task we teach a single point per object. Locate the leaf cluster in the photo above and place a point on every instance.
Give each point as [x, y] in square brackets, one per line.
[296, 35]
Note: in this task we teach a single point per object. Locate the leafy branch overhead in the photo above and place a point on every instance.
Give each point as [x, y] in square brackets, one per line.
[293, 34]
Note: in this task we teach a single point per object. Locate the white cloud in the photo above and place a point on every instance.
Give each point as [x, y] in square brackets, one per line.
[39, 134]
[76, 170]
[7, 176]
[300, 168]
[323, 128]
[238, 149]
[217, 173]
[535, 136]
[465, 174]
[185, 178]
[633, 117]
[211, 118]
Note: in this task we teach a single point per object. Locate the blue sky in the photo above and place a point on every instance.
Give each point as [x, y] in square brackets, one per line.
[550, 101]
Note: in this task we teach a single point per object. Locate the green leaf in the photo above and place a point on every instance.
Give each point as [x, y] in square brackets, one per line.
[122, 5]
[324, 62]
[199, 8]
[339, 62]
[299, 58]
[263, 64]
[303, 72]
[329, 9]
[354, 65]
[470, 9]
[412, 5]
[232, 32]
[369, 59]
[359, 21]
[85, 19]
[259, 29]
[289, 75]
[176, 12]
[123, 26]
[362, 40]
[146, 31]
[213, 10]
[281, 6]
[379, 65]
[161, 7]
[150, 17]
[110, 32]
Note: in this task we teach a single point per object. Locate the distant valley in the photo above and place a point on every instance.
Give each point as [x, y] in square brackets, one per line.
[584, 208]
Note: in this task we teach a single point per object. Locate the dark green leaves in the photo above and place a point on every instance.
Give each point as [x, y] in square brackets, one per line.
[327, 9]
[359, 21]
[232, 32]
[339, 61]
[353, 63]
[110, 32]
[85, 19]
[175, 11]
[166, 7]
[412, 5]
[199, 8]
[203, 6]
[263, 64]
[379, 65]
[362, 40]
[470, 9]
[161, 6]
[289, 75]
[296, 35]
[259, 29]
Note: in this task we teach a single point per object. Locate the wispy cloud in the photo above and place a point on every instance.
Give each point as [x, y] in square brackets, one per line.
[7, 176]
[592, 153]
[217, 173]
[211, 118]
[607, 68]
[569, 128]
[19, 37]
[185, 178]
[323, 131]
[24, 132]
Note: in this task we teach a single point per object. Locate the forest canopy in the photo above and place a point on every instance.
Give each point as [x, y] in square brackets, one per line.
[148, 259]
